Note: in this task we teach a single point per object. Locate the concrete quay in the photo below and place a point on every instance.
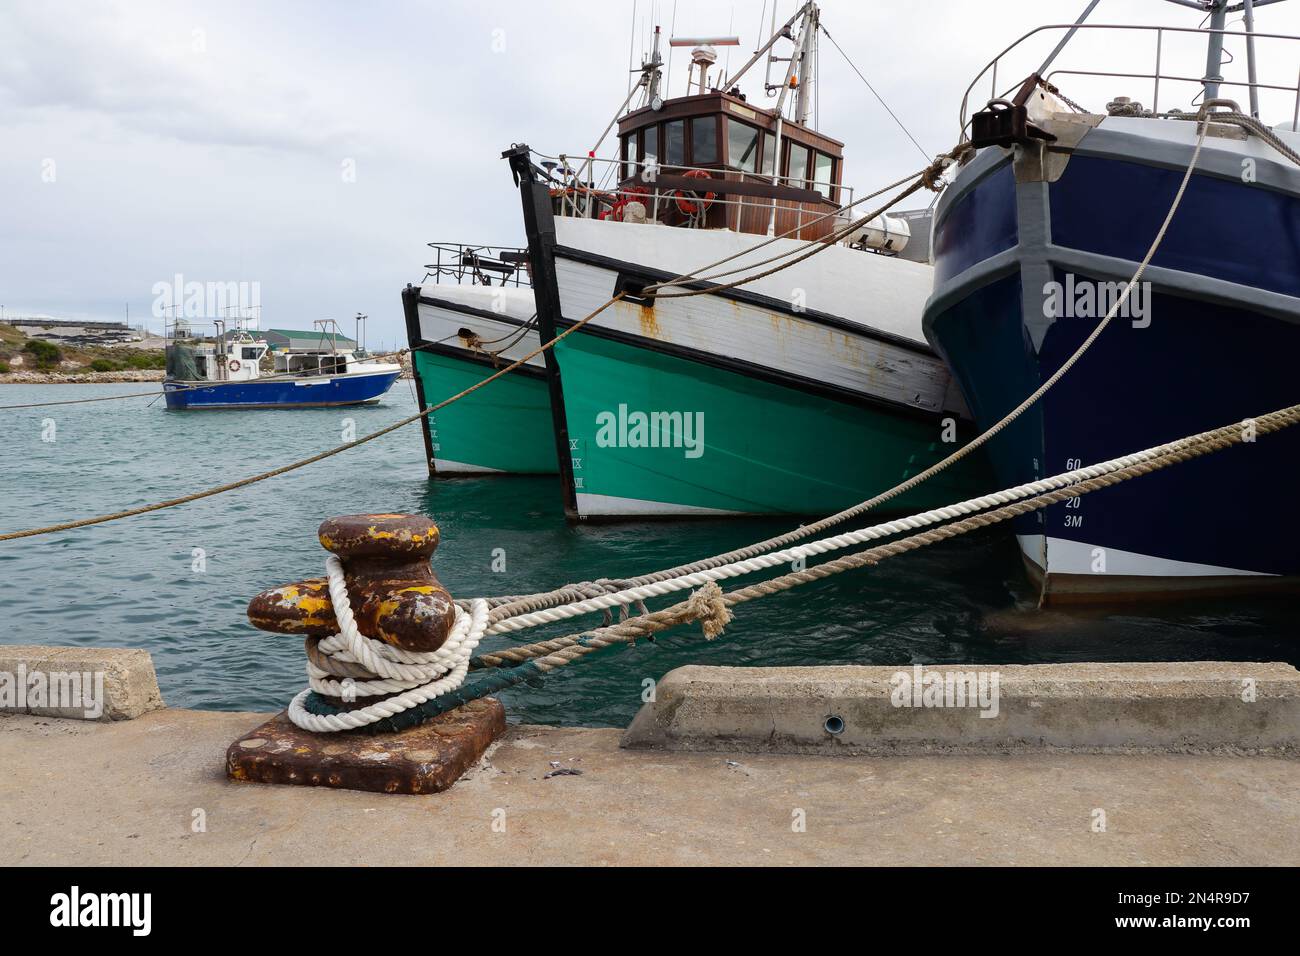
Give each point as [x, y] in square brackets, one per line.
[153, 791]
[1082, 764]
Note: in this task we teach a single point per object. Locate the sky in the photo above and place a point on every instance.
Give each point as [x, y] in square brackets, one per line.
[314, 148]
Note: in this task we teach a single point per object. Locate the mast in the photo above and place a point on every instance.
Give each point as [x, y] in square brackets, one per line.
[1214, 49]
[1218, 11]
[655, 73]
[731, 80]
[1248, 9]
[807, 57]
[809, 12]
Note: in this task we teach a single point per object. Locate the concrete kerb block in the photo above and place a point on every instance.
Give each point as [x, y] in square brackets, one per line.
[77, 683]
[1175, 707]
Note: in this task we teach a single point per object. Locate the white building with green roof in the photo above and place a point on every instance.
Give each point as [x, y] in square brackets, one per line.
[281, 340]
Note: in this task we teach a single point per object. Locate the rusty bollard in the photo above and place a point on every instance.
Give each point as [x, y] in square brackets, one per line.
[396, 598]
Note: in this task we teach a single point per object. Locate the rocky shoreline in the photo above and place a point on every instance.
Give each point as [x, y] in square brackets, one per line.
[81, 378]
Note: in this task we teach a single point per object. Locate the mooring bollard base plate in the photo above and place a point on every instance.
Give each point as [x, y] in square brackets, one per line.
[424, 759]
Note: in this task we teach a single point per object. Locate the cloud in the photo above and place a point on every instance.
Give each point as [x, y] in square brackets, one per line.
[217, 154]
[159, 72]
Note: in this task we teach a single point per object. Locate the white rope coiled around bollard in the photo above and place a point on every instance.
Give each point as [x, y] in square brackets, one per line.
[412, 676]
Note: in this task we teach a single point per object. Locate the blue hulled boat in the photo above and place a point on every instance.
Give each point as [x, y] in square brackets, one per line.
[1034, 239]
[224, 371]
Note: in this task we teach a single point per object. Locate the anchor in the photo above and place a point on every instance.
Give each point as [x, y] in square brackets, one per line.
[397, 599]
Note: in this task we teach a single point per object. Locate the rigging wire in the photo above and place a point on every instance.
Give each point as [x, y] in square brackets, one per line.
[631, 45]
[892, 114]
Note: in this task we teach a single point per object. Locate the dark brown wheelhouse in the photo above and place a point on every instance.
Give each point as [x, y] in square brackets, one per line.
[735, 143]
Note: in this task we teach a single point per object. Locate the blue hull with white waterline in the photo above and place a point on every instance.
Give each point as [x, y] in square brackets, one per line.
[1211, 341]
[315, 392]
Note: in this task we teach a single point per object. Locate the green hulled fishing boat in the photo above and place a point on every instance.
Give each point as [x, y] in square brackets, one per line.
[472, 314]
[804, 391]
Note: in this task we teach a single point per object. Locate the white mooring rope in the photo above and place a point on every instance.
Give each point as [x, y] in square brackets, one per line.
[836, 542]
[412, 676]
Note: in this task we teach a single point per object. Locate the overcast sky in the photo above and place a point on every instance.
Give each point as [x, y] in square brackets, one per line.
[147, 139]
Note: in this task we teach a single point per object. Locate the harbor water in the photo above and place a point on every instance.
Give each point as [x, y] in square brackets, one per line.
[177, 582]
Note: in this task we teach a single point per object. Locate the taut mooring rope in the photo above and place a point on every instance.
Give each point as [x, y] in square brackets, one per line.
[611, 597]
[511, 666]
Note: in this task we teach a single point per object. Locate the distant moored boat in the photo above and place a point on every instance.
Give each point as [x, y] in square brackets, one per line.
[224, 371]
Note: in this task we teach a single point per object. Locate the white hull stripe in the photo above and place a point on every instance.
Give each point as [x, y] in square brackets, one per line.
[764, 338]
[462, 468]
[590, 505]
[1076, 557]
[441, 325]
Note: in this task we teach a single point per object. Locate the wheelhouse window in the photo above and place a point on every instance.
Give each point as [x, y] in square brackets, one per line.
[798, 167]
[650, 144]
[742, 146]
[675, 143]
[704, 140]
[769, 154]
[251, 354]
[631, 153]
[823, 174]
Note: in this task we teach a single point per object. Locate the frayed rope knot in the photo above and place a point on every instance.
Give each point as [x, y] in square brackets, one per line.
[710, 609]
[932, 178]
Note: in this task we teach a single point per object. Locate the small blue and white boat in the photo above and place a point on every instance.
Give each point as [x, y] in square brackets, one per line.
[224, 371]
[1034, 239]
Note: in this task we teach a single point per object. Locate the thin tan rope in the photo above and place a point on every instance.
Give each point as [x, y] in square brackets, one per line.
[293, 466]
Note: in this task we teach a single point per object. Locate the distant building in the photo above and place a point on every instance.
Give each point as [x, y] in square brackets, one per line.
[281, 339]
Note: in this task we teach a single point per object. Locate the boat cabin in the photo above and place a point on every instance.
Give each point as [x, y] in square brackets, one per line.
[329, 354]
[313, 361]
[711, 159]
[230, 357]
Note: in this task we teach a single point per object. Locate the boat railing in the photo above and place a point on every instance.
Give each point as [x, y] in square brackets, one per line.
[1157, 75]
[660, 187]
[479, 265]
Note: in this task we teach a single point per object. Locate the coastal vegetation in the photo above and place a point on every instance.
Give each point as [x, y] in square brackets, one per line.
[45, 355]
[23, 356]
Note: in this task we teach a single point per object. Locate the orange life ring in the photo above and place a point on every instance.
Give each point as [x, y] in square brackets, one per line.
[690, 203]
[234, 365]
